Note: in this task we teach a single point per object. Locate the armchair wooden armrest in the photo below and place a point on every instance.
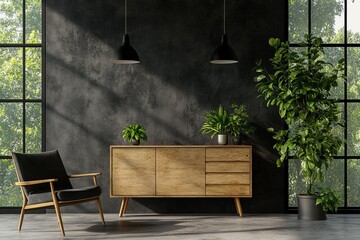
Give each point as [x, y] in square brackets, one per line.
[34, 182]
[84, 175]
[93, 175]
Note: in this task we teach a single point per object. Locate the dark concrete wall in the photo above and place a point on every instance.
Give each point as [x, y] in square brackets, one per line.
[89, 100]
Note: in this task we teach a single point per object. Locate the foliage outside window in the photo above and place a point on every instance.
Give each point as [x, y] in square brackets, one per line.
[20, 89]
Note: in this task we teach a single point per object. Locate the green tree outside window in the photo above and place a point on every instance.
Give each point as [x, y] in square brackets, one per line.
[12, 79]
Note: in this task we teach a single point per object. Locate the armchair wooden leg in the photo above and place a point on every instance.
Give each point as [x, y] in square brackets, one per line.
[57, 208]
[22, 209]
[58, 214]
[22, 214]
[124, 203]
[100, 210]
[238, 207]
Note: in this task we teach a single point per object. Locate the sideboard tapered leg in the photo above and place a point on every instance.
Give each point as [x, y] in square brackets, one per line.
[123, 206]
[238, 207]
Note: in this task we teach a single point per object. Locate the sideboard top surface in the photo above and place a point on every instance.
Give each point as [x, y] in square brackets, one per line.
[181, 146]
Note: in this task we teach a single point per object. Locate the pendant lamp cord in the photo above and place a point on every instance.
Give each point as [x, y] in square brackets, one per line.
[125, 16]
[224, 17]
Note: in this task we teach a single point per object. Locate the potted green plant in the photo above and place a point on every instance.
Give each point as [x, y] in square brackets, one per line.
[239, 123]
[134, 133]
[300, 85]
[217, 122]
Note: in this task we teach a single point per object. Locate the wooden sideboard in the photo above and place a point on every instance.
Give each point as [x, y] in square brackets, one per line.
[213, 171]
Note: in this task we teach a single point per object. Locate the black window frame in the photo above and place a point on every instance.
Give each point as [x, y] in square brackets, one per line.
[23, 100]
[345, 45]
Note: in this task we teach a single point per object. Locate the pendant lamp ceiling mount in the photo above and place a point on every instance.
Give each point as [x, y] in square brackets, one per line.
[126, 53]
[224, 54]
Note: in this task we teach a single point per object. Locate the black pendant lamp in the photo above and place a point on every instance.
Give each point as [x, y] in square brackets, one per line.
[126, 53]
[224, 54]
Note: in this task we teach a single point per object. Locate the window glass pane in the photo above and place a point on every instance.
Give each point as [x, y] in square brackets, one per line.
[353, 71]
[296, 185]
[10, 195]
[334, 178]
[353, 142]
[339, 130]
[33, 127]
[353, 183]
[298, 20]
[353, 19]
[327, 20]
[11, 21]
[10, 128]
[33, 73]
[333, 55]
[33, 21]
[11, 73]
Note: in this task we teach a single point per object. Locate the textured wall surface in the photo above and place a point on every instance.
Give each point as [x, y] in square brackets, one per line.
[89, 100]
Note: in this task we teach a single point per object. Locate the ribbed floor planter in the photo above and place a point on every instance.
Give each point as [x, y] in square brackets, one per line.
[308, 210]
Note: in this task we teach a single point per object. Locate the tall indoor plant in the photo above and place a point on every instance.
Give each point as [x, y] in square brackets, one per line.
[300, 85]
[217, 122]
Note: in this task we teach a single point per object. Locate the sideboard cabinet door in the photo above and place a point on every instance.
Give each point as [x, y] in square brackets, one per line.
[180, 171]
[133, 172]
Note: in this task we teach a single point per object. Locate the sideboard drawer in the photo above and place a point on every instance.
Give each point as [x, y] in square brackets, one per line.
[227, 167]
[227, 178]
[227, 190]
[227, 154]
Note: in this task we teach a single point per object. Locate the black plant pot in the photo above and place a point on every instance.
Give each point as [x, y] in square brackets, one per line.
[135, 142]
[236, 140]
[308, 210]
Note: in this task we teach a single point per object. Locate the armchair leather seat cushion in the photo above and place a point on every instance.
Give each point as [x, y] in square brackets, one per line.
[39, 197]
[78, 193]
[66, 195]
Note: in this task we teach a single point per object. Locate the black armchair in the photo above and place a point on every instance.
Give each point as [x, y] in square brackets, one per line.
[45, 183]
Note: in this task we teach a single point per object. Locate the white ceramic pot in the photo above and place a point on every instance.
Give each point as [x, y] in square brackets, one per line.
[222, 139]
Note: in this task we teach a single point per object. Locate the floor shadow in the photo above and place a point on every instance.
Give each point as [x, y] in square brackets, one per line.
[136, 226]
[154, 227]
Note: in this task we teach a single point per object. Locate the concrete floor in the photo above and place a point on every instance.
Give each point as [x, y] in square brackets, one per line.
[257, 227]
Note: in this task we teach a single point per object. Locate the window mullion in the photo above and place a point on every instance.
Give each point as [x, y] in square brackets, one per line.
[43, 75]
[345, 109]
[24, 77]
[309, 16]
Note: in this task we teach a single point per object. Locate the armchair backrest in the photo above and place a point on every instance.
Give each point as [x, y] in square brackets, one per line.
[40, 166]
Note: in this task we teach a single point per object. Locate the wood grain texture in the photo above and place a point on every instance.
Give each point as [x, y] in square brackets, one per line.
[228, 154]
[123, 206]
[132, 171]
[238, 207]
[187, 171]
[180, 171]
[228, 190]
[251, 171]
[180, 146]
[35, 182]
[227, 167]
[84, 175]
[227, 178]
